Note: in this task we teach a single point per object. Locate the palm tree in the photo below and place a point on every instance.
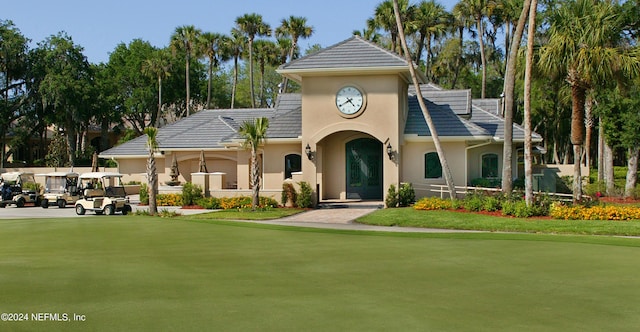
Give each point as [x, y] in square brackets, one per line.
[254, 134]
[235, 46]
[157, 66]
[431, 22]
[585, 46]
[477, 10]
[509, 92]
[152, 172]
[267, 54]
[384, 18]
[185, 39]
[252, 26]
[211, 45]
[446, 171]
[295, 27]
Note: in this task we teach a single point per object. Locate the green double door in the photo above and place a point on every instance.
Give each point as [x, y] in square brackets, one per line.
[364, 169]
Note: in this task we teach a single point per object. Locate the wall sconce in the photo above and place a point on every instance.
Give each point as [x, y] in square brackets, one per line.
[390, 151]
[308, 151]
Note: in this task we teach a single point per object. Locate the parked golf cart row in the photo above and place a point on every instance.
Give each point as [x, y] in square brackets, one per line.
[100, 192]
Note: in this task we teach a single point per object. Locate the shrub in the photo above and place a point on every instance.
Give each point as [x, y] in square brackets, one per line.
[144, 194]
[289, 193]
[169, 199]
[190, 193]
[517, 209]
[491, 204]
[406, 195]
[305, 198]
[487, 183]
[433, 203]
[244, 202]
[210, 203]
[392, 197]
[473, 201]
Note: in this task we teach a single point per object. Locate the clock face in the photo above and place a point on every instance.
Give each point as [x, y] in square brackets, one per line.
[349, 100]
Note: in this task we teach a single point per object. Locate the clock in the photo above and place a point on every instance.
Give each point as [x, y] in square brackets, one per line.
[349, 100]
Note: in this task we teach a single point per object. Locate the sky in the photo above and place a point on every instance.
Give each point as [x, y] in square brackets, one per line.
[99, 26]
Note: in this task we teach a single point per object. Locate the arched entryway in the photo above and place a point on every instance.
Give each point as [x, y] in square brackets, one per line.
[364, 169]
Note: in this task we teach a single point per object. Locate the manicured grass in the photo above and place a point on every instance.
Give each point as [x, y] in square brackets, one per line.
[409, 217]
[144, 273]
[246, 214]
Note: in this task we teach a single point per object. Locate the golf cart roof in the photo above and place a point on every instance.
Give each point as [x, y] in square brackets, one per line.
[60, 174]
[100, 175]
[13, 176]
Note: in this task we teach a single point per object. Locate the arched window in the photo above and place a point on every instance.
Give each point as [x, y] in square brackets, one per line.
[490, 165]
[292, 163]
[432, 166]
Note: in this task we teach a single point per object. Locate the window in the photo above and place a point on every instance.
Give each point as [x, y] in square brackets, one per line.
[432, 167]
[490, 165]
[292, 164]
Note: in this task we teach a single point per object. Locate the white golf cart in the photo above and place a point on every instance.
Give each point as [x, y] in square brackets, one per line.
[103, 193]
[19, 188]
[60, 189]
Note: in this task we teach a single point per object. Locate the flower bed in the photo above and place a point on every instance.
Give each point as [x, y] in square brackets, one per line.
[598, 212]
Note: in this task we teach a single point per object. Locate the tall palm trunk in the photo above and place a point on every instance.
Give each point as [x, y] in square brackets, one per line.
[446, 171]
[235, 81]
[251, 89]
[509, 91]
[483, 56]
[188, 85]
[608, 169]
[528, 172]
[209, 73]
[632, 172]
[578, 95]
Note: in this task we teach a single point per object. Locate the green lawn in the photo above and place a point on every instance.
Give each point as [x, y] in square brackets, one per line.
[144, 273]
[443, 219]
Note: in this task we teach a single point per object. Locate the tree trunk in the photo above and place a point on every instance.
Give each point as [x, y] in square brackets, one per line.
[446, 171]
[600, 150]
[427, 61]
[251, 90]
[210, 73]
[188, 85]
[509, 87]
[483, 57]
[255, 178]
[588, 123]
[577, 173]
[235, 81]
[152, 182]
[608, 173]
[528, 173]
[632, 172]
[577, 132]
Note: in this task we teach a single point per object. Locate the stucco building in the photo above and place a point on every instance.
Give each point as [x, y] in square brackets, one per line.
[355, 129]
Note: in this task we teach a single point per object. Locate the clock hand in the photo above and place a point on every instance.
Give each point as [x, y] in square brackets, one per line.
[347, 101]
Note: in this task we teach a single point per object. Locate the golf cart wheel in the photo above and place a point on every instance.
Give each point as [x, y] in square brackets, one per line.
[80, 210]
[109, 210]
[20, 202]
[126, 209]
[44, 203]
[62, 203]
[2, 205]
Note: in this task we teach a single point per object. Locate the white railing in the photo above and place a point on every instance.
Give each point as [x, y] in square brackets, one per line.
[463, 190]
